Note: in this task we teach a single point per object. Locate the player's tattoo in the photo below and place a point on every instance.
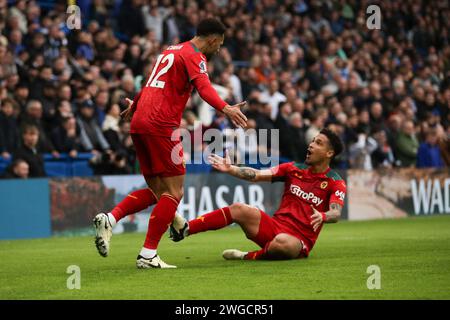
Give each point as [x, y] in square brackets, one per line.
[335, 206]
[334, 213]
[247, 174]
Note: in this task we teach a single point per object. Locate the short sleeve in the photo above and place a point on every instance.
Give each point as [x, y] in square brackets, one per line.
[196, 66]
[279, 172]
[338, 192]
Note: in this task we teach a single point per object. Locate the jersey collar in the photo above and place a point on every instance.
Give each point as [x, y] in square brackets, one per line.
[194, 47]
[323, 173]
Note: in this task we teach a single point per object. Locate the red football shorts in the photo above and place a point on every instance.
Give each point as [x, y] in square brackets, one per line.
[158, 155]
[270, 227]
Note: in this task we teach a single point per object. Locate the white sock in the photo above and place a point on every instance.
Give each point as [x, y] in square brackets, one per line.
[148, 253]
[112, 220]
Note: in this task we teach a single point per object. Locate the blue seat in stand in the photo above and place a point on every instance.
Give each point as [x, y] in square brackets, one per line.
[57, 168]
[81, 169]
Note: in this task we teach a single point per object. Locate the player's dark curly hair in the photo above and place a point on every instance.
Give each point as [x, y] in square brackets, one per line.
[335, 141]
[210, 26]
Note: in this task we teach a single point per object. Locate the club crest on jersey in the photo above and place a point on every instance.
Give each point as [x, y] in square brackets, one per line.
[304, 195]
[324, 185]
[202, 66]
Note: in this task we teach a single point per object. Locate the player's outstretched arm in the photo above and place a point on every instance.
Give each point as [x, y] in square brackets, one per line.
[207, 92]
[235, 114]
[245, 173]
[127, 114]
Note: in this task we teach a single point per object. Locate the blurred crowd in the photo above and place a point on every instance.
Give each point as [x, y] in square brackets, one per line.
[301, 65]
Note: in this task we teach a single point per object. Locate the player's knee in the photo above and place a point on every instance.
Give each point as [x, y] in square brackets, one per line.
[239, 211]
[284, 246]
[177, 193]
[236, 207]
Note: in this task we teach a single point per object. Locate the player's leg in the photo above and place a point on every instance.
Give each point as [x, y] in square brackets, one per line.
[134, 202]
[282, 247]
[160, 219]
[246, 216]
[137, 200]
[262, 229]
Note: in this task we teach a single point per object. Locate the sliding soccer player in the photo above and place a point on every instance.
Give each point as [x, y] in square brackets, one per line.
[313, 194]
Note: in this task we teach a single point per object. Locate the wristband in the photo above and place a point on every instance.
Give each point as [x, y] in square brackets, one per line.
[324, 216]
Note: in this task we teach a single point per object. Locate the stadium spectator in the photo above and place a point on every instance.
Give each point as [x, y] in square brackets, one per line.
[247, 143]
[131, 20]
[444, 144]
[273, 97]
[20, 95]
[407, 145]
[85, 48]
[92, 138]
[361, 150]
[314, 54]
[429, 153]
[376, 115]
[110, 127]
[18, 169]
[66, 137]
[285, 134]
[382, 156]
[298, 140]
[34, 116]
[29, 151]
[9, 130]
[317, 123]
[110, 163]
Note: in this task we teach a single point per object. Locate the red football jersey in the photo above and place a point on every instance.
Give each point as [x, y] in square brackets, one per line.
[168, 88]
[302, 188]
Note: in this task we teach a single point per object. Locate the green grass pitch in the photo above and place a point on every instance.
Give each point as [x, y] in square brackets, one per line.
[413, 255]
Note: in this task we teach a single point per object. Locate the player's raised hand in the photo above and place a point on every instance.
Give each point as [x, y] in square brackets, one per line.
[127, 114]
[316, 218]
[219, 163]
[235, 114]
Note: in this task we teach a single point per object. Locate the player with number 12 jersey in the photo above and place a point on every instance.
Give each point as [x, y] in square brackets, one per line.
[164, 97]
[155, 115]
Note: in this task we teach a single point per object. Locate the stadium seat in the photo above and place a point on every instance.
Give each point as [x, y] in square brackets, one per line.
[57, 168]
[46, 4]
[3, 166]
[198, 168]
[81, 168]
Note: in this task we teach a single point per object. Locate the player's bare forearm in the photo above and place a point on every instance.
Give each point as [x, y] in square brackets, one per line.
[334, 213]
[244, 173]
[250, 174]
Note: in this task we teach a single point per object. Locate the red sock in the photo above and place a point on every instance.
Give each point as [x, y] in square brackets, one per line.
[136, 201]
[211, 221]
[259, 254]
[161, 217]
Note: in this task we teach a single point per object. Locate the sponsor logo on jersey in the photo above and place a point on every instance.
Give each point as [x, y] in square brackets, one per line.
[304, 195]
[178, 47]
[324, 185]
[340, 194]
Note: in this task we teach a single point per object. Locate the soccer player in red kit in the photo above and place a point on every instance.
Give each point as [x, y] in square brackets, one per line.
[313, 195]
[155, 115]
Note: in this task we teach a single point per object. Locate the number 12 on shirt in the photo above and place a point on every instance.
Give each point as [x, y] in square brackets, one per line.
[153, 80]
